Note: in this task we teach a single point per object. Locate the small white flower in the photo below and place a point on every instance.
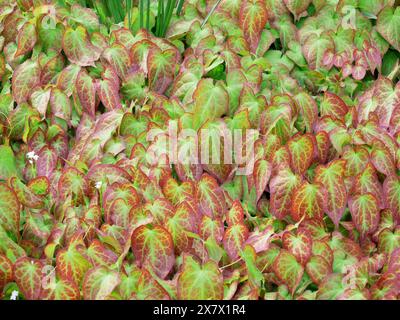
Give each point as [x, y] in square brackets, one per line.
[98, 184]
[32, 156]
[14, 295]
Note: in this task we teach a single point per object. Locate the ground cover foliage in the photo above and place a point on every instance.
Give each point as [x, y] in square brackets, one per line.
[86, 214]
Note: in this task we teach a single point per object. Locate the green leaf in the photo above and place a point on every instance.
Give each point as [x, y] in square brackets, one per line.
[200, 282]
[234, 238]
[391, 190]
[388, 240]
[210, 196]
[288, 270]
[8, 163]
[297, 6]
[249, 256]
[210, 102]
[61, 289]
[388, 25]
[308, 110]
[85, 16]
[331, 287]
[118, 57]
[99, 283]
[9, 210]
[314, 49]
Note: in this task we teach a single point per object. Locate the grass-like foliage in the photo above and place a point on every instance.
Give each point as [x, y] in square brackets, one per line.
[116, 11]
[103, 106]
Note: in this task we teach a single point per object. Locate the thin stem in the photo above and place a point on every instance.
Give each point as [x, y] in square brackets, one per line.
[210, 13]
[231, 264]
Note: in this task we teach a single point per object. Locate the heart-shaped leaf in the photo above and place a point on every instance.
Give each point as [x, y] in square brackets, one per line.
[210, 196]
[210, 102]
[331, 177]
[288, 270]
[282, 186]
[9, 209]
[299, 245]
[26, 39]
[28, 276]
[234, 238]
[161, 68]
[365, 212]
[99, 283]
[199, 282]
[153, 247]
[6, 271]
[388, 25]
[61, 289]
[301, 149]
[253, 16]
[307, 201]
[78, 48]
[391, 190]
[25, 78]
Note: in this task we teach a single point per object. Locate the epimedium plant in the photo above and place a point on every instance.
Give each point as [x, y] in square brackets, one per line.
[86, 214]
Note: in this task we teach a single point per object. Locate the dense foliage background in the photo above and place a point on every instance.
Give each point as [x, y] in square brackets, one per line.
[84, 213]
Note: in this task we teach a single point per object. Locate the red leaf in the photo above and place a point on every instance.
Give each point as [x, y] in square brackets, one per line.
[365, 212]
[253, 16]
[301, 149]
[153, 247]
[282, 186]
[333, 106]
[288, 270]
[262, 173]
[307, 201]
[210, 196]
[28, 276]
[86, 89]
[299, 245]
[235, 214]
[331, 177]
[26, 39]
